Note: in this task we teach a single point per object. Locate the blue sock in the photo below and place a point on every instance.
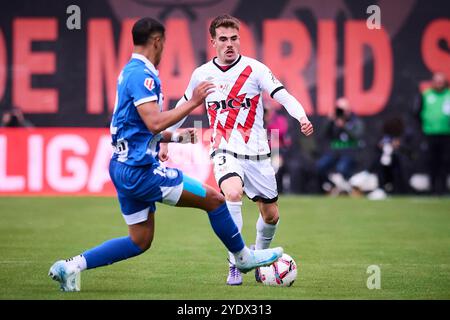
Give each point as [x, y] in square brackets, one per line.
[111, 251]
[225, 228]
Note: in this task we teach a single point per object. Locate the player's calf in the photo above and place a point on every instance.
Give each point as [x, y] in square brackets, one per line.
[266, 224]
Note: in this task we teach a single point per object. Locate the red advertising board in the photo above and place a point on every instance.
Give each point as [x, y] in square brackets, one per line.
[74, 161]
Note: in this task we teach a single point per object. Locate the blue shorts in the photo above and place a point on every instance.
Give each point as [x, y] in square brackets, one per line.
[138, 188]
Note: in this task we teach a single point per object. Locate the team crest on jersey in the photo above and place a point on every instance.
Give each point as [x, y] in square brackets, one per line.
[171, 173]
[149, 83]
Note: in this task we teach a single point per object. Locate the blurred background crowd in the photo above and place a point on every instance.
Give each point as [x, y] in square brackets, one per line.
[409, 153]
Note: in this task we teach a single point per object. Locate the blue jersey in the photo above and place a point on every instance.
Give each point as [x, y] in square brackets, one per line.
[133, 143]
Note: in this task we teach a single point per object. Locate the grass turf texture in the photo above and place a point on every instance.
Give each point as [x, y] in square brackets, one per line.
[333, 241]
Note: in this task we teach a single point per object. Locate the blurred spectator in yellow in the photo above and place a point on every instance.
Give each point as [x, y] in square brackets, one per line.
[432, 110]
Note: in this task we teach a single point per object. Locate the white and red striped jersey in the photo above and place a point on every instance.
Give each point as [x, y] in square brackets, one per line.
[235, 109]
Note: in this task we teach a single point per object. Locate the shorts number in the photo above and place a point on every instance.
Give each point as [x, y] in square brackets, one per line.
[223, 160]
[161, 171]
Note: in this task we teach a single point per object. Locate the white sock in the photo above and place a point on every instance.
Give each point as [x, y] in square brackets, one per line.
[242, 255]
[78, 261]
[264, 233]
[235, 209]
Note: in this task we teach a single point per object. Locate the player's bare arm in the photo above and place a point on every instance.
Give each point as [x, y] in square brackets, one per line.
[157, 121]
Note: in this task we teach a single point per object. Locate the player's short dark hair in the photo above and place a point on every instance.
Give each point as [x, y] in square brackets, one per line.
[224, 20]
[144, 28]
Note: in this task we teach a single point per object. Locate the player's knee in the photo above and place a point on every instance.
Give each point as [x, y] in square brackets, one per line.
[219, 198]
[146, 245]
[216, 199]
[143, 241]
[234, 195]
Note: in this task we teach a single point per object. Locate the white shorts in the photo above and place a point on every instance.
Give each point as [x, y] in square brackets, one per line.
[258, 176]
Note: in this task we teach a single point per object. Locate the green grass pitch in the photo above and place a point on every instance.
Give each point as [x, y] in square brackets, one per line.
[333, 241]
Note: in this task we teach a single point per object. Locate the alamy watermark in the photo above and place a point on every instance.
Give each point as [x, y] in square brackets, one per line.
[260, 140]
[374, 280]
[374, 20]
[73, 22]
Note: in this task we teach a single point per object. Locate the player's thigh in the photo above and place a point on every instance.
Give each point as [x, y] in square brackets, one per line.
[198, 195]
[260, 181]
[229, 175]
[232, 188]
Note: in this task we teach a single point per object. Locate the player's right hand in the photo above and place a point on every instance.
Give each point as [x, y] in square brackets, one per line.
[202, 91]
[306, 126]
[163, 154]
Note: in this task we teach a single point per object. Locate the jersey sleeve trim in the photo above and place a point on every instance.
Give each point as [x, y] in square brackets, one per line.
[276, 90]
[144, 100]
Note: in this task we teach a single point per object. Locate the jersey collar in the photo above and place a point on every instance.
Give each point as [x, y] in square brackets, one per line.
[229, 66]
[147, 62]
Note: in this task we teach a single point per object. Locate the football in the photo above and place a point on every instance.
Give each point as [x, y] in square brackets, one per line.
[282, 272]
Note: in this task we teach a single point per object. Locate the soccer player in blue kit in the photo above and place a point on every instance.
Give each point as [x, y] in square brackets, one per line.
[137, 127]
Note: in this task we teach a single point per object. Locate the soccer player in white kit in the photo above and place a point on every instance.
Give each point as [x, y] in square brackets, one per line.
[239, 146]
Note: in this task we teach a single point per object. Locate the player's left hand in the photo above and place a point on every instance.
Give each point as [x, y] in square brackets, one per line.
[163, 154]
[188, 135]
[306, 126]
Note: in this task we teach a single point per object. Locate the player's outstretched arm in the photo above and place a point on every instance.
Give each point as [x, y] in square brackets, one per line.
[179, 123]
[295, 109]
[157, 121]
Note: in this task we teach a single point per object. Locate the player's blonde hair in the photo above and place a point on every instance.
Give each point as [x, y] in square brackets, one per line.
[224, 20]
